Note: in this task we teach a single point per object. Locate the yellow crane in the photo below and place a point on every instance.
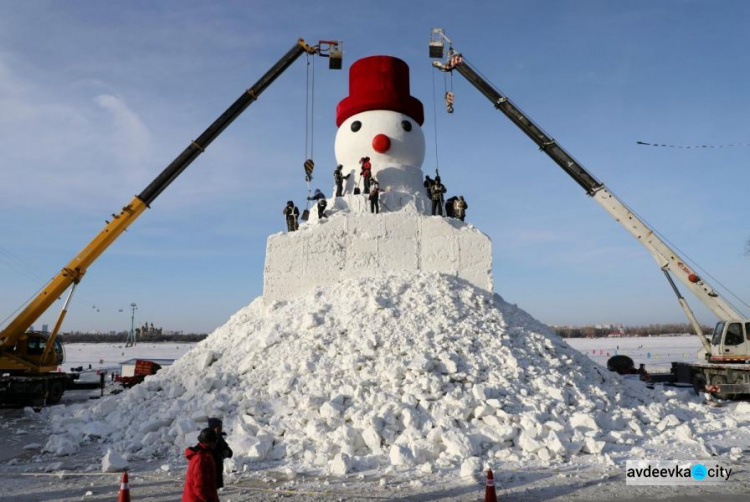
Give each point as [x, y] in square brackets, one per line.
[29, 360]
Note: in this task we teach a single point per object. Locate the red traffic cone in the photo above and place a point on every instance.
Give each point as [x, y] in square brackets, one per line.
[124, 489]
[489, 491]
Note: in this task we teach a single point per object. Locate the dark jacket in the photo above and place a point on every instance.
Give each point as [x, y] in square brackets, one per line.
[220, 452]
[291, 211]
[339, 177]
[317, 195]
[437, 190]
[200, 480]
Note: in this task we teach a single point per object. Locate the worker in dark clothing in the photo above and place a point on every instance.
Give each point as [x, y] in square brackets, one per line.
[449, 205]
[292, 213]
[321, 202]
[375, 197]
[339, 178]
[428, 184]
[459, 208]
[200, 479]
[220, 451]
[436, 194]
[366, 172]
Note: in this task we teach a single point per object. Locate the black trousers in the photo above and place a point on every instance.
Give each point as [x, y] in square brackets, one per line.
[374, 205]
[436, 205]
[290, 226]
[339, 189]
[367, 184]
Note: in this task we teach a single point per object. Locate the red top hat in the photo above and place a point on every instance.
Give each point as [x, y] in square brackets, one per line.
[379, 83]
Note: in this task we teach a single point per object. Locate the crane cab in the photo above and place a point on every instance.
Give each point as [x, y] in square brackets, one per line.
[27, 354]
[729, 343]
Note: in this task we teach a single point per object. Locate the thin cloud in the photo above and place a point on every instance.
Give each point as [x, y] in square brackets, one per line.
[130, 140]
[53, 135]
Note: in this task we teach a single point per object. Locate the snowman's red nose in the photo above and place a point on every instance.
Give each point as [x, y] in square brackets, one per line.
[381, 143]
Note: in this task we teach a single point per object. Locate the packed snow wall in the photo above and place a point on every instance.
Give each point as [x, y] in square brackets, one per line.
[353, 243]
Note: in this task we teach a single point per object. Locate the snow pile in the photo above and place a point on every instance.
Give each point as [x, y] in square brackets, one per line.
[405, 371]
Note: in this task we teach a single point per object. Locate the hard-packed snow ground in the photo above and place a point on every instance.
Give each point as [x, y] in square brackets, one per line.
[412, 383]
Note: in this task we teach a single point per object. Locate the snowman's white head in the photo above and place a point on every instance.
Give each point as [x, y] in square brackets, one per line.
[381, 120]
[390, 139]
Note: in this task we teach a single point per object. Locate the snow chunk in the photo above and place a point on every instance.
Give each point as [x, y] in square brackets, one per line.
[471, 467]
[113, 462]
[666, 422]
[400, 455]
[583, 421]
[341, 465]
[590, 445]
[457, 444]
[60, 446]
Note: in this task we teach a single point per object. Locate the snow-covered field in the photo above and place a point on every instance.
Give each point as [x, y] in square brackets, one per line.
[656, 352]
[374, 384]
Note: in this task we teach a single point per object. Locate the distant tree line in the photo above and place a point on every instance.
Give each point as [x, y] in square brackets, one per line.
[650, 330]
[79, 337]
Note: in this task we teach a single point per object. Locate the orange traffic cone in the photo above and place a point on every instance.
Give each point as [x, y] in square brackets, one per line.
[489, 491]
[124, 489]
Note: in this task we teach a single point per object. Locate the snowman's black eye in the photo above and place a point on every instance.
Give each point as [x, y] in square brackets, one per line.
[356, 126]
[406, 125]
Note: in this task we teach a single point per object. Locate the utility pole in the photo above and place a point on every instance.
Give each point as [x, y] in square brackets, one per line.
[130, 342]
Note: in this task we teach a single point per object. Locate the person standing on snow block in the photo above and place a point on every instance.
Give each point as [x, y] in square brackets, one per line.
[366, 172]
[200, 480]
[428, 184]
[292, 213]
[460, 206]
[375, 197]
[339, 178]
[449, 205]
[220, 451]
[322, 203]
[436, 194]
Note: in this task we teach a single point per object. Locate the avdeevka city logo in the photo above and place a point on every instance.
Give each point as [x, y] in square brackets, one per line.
[674, 472]
[699, 472]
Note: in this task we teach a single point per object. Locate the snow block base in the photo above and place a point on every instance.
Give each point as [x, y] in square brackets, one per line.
[353, 243]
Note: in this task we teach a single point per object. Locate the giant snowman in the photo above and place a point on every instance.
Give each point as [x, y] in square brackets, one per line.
[379, 119]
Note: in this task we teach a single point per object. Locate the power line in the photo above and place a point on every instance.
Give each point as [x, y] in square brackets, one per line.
[694, 147]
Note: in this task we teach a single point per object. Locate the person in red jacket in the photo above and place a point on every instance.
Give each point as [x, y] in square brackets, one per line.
[366, 172]
[200, 480]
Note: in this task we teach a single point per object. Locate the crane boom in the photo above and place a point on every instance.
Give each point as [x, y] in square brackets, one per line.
[666, 257]
[74, 271]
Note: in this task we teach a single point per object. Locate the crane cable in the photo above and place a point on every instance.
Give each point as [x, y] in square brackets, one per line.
[434, 117]
[309, 125]
[688, 147]
[682, 253]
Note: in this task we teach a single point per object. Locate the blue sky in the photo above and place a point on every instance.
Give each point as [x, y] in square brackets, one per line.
[96, 98]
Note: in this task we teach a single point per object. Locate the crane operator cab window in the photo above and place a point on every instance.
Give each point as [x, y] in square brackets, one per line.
[734, 334]
[718, 331]
[35, 346]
